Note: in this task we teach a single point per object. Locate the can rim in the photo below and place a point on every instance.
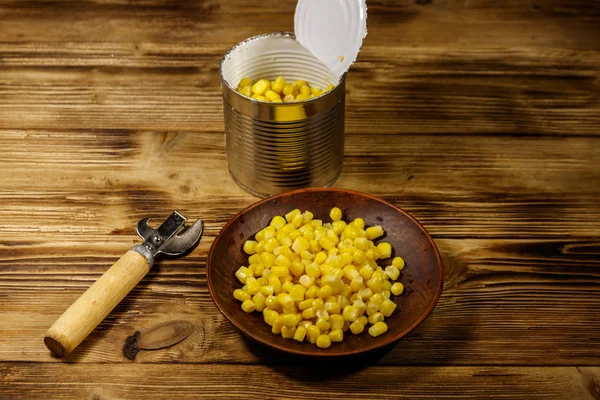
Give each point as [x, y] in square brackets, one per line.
[285, 34]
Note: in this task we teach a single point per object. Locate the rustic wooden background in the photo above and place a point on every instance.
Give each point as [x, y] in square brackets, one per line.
[479, 117]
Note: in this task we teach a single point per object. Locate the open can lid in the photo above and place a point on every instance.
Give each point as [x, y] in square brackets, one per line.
[332, 30]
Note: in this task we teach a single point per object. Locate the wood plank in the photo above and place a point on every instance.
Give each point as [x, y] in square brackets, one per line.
[476, 23]
[318, 381]
[175, 88]
[505, 302]
[102, 182]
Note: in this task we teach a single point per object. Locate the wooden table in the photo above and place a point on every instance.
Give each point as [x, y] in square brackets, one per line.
[481, 118]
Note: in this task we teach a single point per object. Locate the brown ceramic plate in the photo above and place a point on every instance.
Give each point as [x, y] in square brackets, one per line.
[423, 276]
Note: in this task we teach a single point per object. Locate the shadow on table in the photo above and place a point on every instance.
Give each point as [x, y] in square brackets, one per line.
[304, 368]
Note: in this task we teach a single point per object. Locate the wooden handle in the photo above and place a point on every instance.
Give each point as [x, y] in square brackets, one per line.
[75, 324]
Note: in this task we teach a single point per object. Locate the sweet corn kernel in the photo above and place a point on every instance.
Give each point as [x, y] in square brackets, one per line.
[374, 232]
[291, 320]
[313, 270]
[312, 334]
[272, 303]
[316, 90]
[305, 304]
[245, 82]
[278, 85]
[329, 87]
[280, 270]
[261, 86]
[361, 243]
[323, 341]
[304, 323]
[365, 293]
[398, 262]
[259, 269]
[346, 259]
[297, 292]
[277, 222]
[300, 334]
[285, 300]
[392, 272]
[375, 283]
[318, 304]
[243, 273]
[375, 318]
[335, 214]
[322, 324]
[386, 294]
[288, 332]
[378, 329]
[357, 327]
[350, 313]
[366, 272]
[363, 320]
[309, 313]
[248, 306]
[297, 268]
[345, 290]
[350, 272]
[287, 286]
[338, 226]
[246, 91]
[259, 301]
[336, 321]
[306, 281]
[289, 90]
[311, 292]
[387, 285]
[266, 290]
[300, 245]
[397, 288]
[323, 314]
[332, 307]
[252, 286]
[385, 250]
[325, 291]
[271, 95]
[277, 325]
[336, 335]
[297, 220]
[241, 295]
[387, 307]
[269, 316]
[315, 246]
[372, 254]
[359, 257]
[357, 284]
[350, 232]
[302, 97]
[289, 98]
[271, 244]
[371, 308]
[275, 283]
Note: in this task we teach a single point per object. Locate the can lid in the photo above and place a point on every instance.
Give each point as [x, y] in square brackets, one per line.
[332, 30]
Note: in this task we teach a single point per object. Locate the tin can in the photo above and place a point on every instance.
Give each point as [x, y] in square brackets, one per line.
[276, 147]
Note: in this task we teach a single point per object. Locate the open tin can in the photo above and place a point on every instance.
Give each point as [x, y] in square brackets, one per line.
[276, 147]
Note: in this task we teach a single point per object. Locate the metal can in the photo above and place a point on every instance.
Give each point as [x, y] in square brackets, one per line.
[276, 147]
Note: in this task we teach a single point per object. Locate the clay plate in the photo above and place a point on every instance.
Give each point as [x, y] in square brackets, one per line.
[423, 276]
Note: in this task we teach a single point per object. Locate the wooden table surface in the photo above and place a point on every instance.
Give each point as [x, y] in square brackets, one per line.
[481, 118]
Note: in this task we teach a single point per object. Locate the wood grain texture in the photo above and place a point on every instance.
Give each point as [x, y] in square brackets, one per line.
[505, 302]
[175, 88]
[481, 118]
[323, 381]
